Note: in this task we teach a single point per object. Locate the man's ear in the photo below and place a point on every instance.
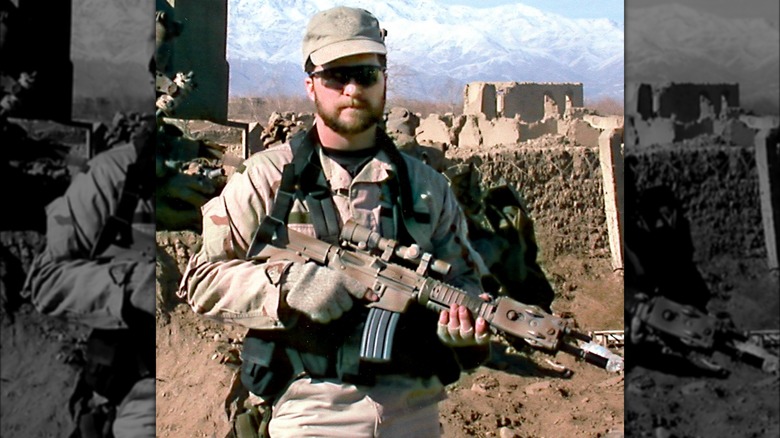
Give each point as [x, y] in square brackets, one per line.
[309, 82]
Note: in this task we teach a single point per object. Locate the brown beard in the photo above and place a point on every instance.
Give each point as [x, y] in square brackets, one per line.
[367, 117]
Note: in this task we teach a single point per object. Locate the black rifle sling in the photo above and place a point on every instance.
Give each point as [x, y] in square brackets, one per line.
[138, 185]
[297, 177]
[303, 178]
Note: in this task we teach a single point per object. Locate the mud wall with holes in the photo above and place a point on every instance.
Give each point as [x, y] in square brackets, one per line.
[562, 188]
[717, 187]
[686, 102]
[529, 101]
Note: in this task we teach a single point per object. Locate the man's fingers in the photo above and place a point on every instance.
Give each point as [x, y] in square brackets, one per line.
[444, 317]
[482, 327]
[465, 320]
[457, 328]
[343, 302]
[454, 317]
[371, 296]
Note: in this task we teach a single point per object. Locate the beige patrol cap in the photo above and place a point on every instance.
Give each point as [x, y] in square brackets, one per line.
[342, 31]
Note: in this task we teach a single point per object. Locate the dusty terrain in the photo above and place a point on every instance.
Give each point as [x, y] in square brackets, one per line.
[515, 393]
[665, 399]
[718, 190]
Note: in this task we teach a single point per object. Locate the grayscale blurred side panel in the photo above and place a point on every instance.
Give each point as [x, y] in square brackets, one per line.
[68, 68]
[702, 280]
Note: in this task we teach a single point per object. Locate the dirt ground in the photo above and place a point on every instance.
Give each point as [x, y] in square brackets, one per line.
[672, 401]
[514, 394]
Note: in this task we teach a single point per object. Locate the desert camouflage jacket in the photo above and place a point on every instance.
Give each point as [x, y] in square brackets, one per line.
[220, 284]
[63, 280]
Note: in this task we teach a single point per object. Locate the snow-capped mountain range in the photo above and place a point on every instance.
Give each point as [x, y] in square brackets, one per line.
[434, 50]
[676, 43]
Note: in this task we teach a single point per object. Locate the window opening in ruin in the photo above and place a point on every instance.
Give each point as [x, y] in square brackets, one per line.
[706, 107]
[500, 94]
[644, 101]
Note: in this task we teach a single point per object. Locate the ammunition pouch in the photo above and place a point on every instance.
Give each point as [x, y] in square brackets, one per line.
[253, 423]
[265, 368]
[270, 360]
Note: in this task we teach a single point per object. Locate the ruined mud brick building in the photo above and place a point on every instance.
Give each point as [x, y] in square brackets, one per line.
[721, 163]
[671, 112]
[540, 139]
[531, 101]
[502, 113]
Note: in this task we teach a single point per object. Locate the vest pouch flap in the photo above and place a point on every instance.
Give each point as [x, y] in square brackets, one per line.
[265, 368]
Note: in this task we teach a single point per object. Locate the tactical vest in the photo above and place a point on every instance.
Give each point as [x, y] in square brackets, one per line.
[272, 358]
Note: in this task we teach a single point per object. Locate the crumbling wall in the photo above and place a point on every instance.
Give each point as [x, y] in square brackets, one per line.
[436, 129]
[500, 131]
[685, 102]
[737, 131]
[562, 188]
[477, 130]
[527, 100]
[740, 131]
[580, 132]
[718, 189]
[481, 99]
[538, 129]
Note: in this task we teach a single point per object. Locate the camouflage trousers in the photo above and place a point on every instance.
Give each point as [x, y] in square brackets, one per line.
[135, 416]
[395, 407]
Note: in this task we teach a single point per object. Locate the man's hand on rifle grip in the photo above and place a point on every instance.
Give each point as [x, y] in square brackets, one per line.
[320, 293]
[457, 329]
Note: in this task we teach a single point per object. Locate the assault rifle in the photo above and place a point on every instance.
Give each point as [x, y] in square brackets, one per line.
[679, 327]
[381, 265]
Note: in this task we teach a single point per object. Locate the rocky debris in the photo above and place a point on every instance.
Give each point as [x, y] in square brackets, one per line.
[537, 387]
[174, 249]
[507, 432]
[283, 126]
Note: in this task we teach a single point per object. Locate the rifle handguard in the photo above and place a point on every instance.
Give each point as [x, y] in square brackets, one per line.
[398, 286]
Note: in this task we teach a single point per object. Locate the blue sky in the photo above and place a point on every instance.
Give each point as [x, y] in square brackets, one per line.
[612, 9]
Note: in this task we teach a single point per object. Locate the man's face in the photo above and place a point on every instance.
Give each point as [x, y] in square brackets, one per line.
[349, 93]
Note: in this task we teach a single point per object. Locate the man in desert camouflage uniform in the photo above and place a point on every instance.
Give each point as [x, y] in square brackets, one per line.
[97, 269]
[305, 320]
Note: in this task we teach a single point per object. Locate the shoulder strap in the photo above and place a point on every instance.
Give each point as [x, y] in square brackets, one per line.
[139, 184]
[406, 200]
[303, 178]
[273, 226]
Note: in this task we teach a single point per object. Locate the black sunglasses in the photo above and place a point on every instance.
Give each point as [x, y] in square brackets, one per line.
[338, 77]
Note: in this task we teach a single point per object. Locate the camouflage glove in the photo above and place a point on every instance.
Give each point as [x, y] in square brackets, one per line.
[455, 328]
[320, 293]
